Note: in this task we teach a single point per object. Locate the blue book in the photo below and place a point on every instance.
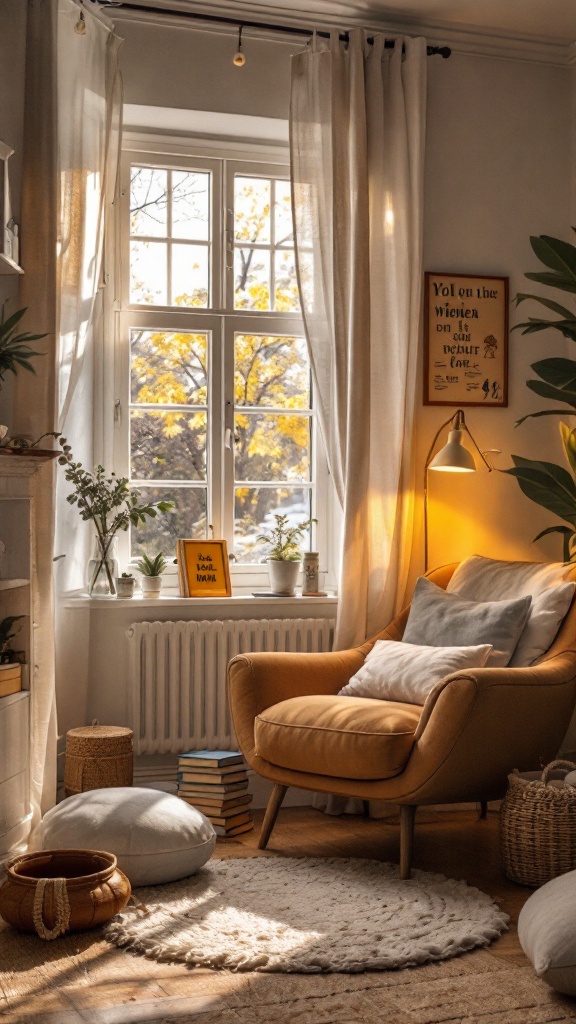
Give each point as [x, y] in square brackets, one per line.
[210, 758]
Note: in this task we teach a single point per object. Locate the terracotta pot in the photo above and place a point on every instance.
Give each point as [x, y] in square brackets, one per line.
[96, 889]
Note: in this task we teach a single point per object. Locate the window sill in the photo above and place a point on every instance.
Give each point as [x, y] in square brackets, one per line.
[256, 606]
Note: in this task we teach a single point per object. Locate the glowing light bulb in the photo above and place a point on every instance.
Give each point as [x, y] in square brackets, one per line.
[80, 26]
[239, 59]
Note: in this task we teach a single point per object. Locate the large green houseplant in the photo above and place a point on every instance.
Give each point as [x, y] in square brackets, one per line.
[546, 483]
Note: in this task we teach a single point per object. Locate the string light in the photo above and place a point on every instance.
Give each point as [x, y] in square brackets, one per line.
[239, 59]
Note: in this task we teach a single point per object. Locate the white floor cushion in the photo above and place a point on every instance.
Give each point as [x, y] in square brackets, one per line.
[155, 836]
[547, 932]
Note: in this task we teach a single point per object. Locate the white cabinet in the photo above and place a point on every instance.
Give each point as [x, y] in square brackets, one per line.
[16, 587]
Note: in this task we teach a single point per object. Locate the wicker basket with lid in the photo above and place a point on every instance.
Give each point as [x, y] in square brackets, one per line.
[97, 757]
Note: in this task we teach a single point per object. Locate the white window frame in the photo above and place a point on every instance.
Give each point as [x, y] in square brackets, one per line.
[221, 322]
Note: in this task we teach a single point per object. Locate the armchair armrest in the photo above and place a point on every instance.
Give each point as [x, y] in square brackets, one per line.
[258, 681]
[479, 725]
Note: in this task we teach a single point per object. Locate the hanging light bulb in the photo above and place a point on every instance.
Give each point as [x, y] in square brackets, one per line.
[80, 26]
[239, 59]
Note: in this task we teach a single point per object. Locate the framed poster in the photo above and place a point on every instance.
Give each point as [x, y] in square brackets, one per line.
[203, 569]
[465, 340]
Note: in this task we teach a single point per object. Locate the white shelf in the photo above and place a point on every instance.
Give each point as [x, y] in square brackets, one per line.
[13, 584]
[8, 266]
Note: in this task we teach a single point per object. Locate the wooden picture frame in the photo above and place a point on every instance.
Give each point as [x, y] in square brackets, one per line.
[465, 339]
[203, 568]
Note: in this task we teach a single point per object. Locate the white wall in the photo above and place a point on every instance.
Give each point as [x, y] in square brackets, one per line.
[497, 171]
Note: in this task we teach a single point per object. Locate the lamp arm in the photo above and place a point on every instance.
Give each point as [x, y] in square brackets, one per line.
[495, 451]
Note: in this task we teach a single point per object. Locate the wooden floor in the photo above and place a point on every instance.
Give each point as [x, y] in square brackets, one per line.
[89, 981]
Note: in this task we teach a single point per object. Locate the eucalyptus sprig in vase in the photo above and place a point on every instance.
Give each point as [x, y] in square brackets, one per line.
[110, 505]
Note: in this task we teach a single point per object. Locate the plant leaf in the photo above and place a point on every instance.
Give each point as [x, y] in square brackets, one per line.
[548, 485]
[539, 387]
[561, 373]
[549, 303]
[567, 534]
[568, 435]
[565, 284]
[556, 254]
[544, 412]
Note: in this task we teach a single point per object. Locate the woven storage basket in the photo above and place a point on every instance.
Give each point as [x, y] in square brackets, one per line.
[538, 826]
[56, 891]
[98, 756]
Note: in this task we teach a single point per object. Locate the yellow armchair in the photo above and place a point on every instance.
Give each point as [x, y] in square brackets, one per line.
[475, 727]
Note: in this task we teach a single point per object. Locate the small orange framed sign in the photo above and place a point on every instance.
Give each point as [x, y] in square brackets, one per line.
[203, 569]
[465, 340]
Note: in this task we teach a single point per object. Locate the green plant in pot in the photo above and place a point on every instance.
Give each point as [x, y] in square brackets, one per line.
[15, 351]
[151, 569]
[110, 505]
[284, 557]
[546, 483]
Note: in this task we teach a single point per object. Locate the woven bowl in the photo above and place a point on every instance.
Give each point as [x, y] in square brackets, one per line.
[96, 889]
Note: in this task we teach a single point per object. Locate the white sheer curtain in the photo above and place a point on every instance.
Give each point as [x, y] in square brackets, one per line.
[89, 119]
[357, 127]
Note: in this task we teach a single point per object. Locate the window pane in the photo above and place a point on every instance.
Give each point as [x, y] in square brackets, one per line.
[148, 205]
[190, 275]
[168, 367]
[271, 447]
[252, 279]
[254, 509]
[286, 297]
[283, 214]
[187, 519]
[191, 204]
[167, 445]
[251, 209]
[148, 273]
[271, 371]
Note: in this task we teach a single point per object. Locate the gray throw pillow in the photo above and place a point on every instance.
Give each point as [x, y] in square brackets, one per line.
[439, 619]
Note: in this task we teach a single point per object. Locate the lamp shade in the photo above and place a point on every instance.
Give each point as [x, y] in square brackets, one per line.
[454, 457]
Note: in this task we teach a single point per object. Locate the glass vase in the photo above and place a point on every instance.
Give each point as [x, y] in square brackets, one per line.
[103, 567]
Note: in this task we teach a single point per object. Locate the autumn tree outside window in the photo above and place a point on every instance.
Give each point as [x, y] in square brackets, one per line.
[214, 384]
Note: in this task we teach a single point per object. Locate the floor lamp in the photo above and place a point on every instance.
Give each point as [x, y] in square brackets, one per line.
[454, 457]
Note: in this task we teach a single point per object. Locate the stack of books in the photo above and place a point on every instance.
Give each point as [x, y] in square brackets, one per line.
[216, 783]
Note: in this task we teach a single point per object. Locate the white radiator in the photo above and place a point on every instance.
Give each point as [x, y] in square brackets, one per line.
[178, 675]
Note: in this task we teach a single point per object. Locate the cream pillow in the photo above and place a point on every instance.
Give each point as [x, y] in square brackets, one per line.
[156, 837]
[442, 620]
[405, 672]
[547, 932]
[482, 579]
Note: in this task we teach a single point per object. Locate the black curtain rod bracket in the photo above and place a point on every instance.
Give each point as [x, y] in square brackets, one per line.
[441, 51]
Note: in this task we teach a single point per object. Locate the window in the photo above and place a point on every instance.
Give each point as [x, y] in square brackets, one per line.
[215, 405]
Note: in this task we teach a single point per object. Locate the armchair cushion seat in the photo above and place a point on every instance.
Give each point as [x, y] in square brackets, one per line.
[355, 737]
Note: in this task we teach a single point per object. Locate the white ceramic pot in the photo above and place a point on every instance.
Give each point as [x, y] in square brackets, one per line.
[283, 576]
[151, 586]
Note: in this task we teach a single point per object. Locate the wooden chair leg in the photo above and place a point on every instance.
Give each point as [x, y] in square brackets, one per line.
[407, 817]
[274, 803]
[483, 810]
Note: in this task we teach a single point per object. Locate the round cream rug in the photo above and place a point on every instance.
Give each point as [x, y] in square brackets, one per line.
[308, 914]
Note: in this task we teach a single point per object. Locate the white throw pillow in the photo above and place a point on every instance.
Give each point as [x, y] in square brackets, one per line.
[547, 932]
[156, 837]
[483, 579]
[407, 673]
[439, 619]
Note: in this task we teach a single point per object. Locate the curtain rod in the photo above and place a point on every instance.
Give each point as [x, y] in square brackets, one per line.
[442, 51]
